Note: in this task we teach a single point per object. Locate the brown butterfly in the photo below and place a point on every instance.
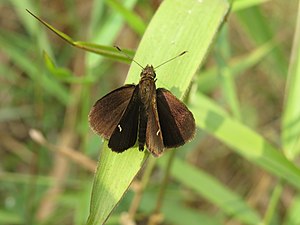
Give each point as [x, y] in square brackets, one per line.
[153, 116]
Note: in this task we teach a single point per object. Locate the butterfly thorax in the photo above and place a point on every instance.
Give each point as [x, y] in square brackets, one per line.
[147, 98]
[147, 87]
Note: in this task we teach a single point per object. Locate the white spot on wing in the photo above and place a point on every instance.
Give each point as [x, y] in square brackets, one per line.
[157, 133]
[120, 128]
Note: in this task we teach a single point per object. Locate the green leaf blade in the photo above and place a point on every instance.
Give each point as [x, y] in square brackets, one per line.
[244, 140]
[177, 26]
[291, 115]
[212, 190]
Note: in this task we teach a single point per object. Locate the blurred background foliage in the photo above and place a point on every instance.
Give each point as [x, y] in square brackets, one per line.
[48, 153]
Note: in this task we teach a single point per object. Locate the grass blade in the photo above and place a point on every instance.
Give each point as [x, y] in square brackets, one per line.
[107, 51]
[293, 216]
[212, 190]
[226, 77]
[208, 80]
[291, 115]
[259, 30]
[243, 140]
[177, 26]
[133, 20]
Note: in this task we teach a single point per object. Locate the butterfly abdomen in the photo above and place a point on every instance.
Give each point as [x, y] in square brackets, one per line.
[142, 128]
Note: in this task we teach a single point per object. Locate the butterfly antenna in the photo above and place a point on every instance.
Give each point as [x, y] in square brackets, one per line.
[182, 53]
[127, 56]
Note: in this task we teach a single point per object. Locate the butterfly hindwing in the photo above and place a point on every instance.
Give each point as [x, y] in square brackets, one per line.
[125, 133]
[176, 121]
[154, 138]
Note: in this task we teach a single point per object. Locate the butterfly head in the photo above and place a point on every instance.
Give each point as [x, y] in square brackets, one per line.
[148, 72]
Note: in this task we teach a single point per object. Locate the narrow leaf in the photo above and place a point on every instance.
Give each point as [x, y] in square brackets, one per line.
[291, 115]
[212, 190]
[177, 26]
[243, 140]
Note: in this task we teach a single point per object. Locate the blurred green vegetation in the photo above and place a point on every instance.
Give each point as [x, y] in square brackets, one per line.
[241, 168]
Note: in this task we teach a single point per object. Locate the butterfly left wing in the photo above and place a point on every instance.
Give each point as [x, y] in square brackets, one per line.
[125, 133]
[107, 111]
[176, 121]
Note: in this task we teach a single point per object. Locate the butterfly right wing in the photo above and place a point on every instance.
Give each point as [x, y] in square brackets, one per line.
[107, 111]
[176, 121]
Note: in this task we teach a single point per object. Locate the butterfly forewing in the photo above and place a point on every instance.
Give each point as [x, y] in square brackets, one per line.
[125, 133]
[107, 111]
[176, 121]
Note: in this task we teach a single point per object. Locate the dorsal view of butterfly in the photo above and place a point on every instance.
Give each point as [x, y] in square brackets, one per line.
[154, 118]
